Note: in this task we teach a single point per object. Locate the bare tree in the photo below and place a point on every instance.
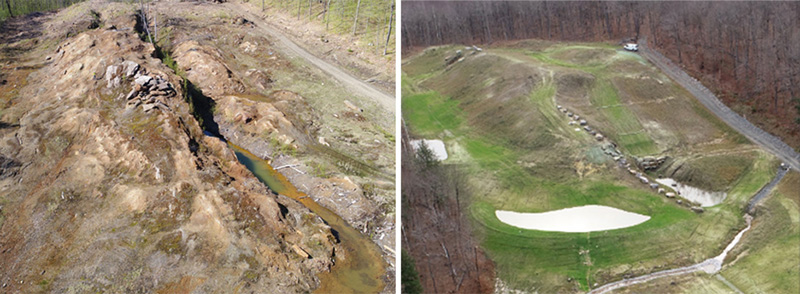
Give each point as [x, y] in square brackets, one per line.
[325, 14]
[389, 35]
[355, 22]
[8, 6]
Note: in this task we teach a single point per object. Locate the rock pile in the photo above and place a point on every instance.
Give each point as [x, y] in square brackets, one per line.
[242, 21]
[650, 162]
[148, 91]
[452, 59]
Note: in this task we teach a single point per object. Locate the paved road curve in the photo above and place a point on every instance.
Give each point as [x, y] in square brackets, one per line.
[769, 142]
[354, 84]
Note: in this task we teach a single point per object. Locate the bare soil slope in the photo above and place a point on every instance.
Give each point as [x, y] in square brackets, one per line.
[108, 183]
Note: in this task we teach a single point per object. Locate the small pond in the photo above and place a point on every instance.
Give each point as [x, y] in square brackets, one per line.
[437, 146]
[705, 198]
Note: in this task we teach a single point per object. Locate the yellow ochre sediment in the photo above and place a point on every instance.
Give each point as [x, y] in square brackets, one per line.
[360, 268]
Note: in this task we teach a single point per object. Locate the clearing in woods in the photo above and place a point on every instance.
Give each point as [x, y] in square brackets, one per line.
[497, 113]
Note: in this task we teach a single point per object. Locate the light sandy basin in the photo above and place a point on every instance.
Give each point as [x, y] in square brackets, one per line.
[589, 218]
[437, 146]
[705, 198]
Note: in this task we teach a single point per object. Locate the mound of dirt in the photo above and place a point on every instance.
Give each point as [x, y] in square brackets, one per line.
[494, 92]
[243, 116]
[584, 56]
[574, 87]
[204, 66]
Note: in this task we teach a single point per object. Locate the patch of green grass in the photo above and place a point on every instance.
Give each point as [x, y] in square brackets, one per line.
[23, 7]
[530, 259]
[761, 172]
[430, 113]
[637, 144]
[604, 94]
[770, 254]
[556, 55]
[629, 133]
[542, 97]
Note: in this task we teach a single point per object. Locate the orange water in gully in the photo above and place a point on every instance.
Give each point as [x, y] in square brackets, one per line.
[362, 267]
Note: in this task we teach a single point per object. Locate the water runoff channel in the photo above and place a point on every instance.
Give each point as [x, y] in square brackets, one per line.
[361, 270]
[360, 267]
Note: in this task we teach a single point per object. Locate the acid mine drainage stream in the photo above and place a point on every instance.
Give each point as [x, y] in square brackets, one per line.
[359, 267]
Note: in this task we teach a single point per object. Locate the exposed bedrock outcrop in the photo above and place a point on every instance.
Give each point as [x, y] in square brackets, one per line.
[108, 184]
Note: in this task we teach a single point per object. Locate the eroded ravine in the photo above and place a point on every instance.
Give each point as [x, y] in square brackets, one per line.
[360, 268]
[357, 270]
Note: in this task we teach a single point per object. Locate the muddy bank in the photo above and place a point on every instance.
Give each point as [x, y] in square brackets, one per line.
[345, 195]
[359, 267]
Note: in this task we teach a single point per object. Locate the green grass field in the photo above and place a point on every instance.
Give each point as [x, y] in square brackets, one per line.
[520, 155]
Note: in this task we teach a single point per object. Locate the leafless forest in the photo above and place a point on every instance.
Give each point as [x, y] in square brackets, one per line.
[436, 232]
[748, 52]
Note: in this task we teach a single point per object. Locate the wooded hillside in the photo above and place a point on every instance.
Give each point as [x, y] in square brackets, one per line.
[436, 233]
[745, 51]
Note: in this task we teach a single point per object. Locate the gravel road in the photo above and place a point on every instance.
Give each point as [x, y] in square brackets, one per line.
[769, 142]
[354, 84]
[710, 266]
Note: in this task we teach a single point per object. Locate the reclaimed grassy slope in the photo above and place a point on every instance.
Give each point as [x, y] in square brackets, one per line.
[769, 259]
[770, 256]
[528, 163]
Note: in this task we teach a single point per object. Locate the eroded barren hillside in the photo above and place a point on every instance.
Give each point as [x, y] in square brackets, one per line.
[115, 177]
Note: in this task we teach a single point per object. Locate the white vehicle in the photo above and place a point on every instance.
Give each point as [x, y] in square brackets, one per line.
[631, 47]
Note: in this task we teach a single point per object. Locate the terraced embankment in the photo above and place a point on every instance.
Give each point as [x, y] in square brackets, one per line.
[497, 112]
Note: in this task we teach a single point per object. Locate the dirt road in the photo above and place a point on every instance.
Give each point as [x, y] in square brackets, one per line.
[769, 142]
[354, 84]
